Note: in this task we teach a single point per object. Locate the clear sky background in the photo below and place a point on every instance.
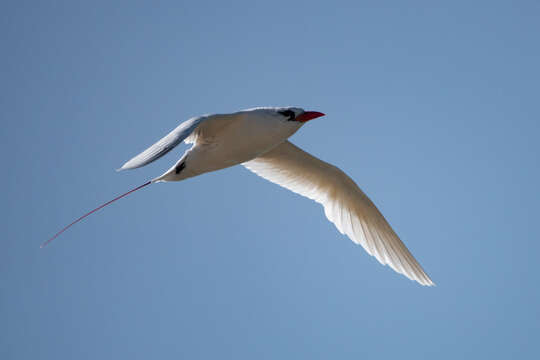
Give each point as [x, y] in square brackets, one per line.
[432, 107]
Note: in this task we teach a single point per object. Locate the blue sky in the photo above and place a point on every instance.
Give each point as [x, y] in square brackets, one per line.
[431, 107]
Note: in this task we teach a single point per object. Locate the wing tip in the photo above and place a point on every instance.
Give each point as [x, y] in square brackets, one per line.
[126, 166]
[424, 280]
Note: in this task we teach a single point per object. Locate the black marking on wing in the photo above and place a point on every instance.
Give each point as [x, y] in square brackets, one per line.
[179, 167]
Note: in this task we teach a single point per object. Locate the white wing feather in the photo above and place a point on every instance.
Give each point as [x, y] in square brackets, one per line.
[166, 144]
[344, 204]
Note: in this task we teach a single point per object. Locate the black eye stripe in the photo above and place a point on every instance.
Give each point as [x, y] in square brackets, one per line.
[288, 113]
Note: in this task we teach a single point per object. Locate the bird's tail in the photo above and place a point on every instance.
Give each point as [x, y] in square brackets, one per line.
[93, 211]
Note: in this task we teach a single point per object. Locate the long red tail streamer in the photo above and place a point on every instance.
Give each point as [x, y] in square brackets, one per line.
[93, 211]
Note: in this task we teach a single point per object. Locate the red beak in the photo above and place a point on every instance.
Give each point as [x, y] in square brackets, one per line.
[309, 115]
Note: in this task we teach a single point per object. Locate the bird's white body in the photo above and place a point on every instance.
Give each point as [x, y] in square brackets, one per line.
[257, 138]
[225, 140]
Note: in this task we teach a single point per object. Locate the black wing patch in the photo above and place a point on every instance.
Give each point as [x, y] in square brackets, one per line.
[179, 167]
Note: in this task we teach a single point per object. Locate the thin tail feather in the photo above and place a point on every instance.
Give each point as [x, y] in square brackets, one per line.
[93, 211]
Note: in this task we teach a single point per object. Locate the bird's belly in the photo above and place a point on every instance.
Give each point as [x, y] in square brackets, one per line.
[235, 145]
[213, 157]
[222, 145]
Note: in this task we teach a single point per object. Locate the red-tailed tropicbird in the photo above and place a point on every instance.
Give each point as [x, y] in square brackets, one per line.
[257, 139]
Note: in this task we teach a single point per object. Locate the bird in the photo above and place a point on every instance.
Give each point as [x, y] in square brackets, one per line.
[257, 138]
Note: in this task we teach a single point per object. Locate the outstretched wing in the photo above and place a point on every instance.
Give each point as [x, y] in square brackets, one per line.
[164, 145]
[344, 204]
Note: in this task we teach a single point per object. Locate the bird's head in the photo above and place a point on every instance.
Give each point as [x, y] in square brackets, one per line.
[280, 122]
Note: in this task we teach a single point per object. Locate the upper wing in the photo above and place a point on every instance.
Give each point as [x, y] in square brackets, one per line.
[164, 145]
[344, 204]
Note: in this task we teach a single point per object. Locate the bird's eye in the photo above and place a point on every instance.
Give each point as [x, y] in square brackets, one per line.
[288, 113]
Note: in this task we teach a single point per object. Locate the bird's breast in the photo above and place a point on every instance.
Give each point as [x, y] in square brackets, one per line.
[236, 142]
